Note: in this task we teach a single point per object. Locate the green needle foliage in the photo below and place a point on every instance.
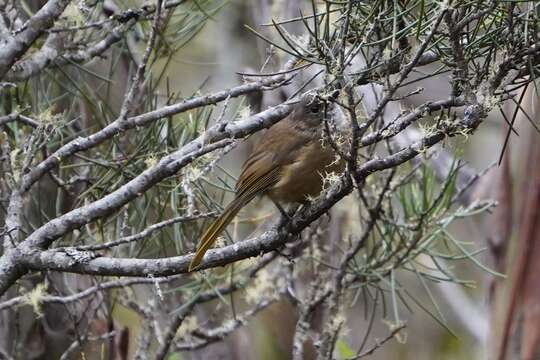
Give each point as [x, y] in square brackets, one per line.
[401, 209]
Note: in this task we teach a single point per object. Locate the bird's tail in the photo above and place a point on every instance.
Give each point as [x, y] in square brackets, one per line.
[217, 227]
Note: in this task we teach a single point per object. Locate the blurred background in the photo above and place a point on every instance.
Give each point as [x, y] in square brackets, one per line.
[207, 47]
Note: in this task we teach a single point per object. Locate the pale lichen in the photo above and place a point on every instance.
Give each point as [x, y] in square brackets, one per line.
[189, 325]
[35, 297]
[263, 286]
[73, 15]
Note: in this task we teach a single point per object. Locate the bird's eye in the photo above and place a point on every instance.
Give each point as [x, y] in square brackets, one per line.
[314, 108]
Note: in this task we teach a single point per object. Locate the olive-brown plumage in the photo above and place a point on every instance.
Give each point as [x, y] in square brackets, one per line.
[287, 164]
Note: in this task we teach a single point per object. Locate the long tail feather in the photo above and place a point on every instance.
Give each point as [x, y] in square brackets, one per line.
[217, 227]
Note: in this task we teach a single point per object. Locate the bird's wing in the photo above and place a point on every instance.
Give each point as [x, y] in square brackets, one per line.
[252, 182]
[262, 169]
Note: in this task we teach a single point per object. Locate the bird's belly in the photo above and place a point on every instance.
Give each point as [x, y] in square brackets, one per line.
[304, 178]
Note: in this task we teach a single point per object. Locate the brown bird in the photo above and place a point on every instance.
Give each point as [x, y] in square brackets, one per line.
[287, 164]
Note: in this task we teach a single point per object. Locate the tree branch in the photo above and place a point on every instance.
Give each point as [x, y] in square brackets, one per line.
[15, 46]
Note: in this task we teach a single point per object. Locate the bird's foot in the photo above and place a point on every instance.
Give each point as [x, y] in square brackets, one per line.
[286, 216]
